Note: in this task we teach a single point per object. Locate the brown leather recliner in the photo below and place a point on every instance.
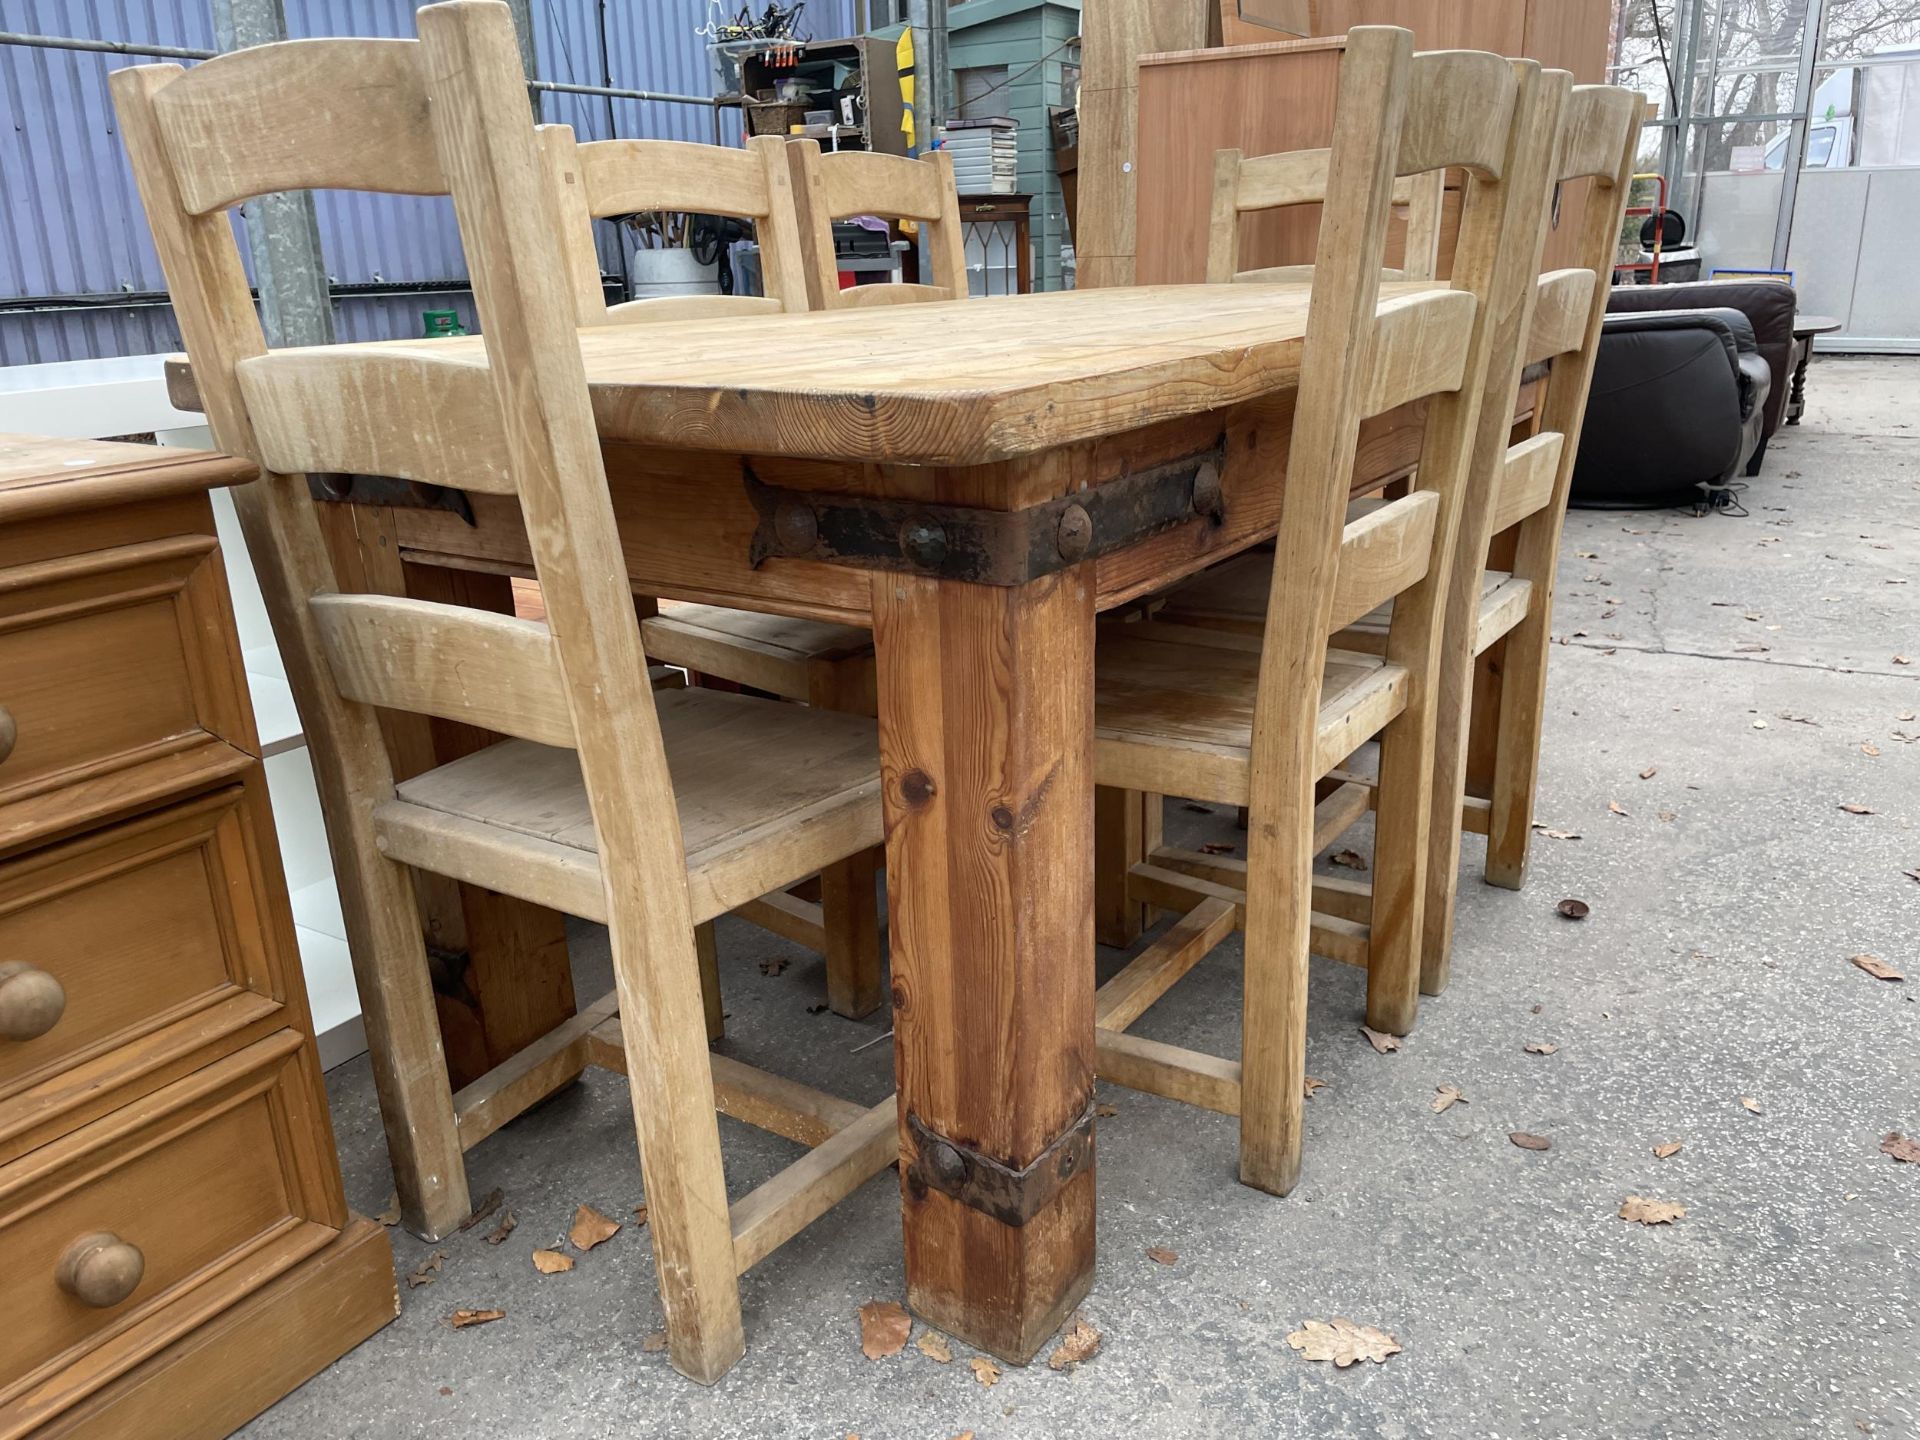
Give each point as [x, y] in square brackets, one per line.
[1769, 306]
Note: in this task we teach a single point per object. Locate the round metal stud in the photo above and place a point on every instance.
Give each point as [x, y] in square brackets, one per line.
[1207, 497]
[1075, 533]
[924, 542]
[947, 1164]
[796, 527]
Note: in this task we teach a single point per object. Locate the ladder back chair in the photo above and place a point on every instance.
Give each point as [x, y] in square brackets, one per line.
[581, 811]
[893, 187]
[806, 660]
[1260, 720]
[1299, 177]
[605, 178]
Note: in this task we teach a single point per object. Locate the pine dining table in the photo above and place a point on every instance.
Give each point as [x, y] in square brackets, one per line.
[976, 481]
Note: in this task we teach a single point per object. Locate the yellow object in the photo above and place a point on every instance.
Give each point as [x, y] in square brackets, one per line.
[903, 62]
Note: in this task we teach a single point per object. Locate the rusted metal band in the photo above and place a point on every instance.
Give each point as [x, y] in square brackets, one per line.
[986, 547]
[1013, 1197]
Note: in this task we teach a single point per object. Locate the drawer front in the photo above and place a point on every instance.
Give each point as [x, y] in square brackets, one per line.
[135, 948]
[110, 661]
[204, 1190]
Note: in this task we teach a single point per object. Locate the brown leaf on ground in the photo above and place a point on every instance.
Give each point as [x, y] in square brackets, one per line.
[1160, 1255]
[423, 1274]
[1749, 1104]
[884, 1327]
[1541, 1047]
[985, 1372]
[1342, 1342]
[1445, 1097]
[1558, 834]
[390, 1216]
[1106, 1112]
[1650, 1212]
[484, 1209]
[773, 965]
[1902, 660]
[1218, 847]
[1616, 808]
[1858, 809]
[1902, 1148]
[1669, 816]
[508, 1223]
[1381, 1043]
[640, 1214]
[654, 1343]
[934, 1346]
[1080, 1343]
[463, 1319]
[1913, 874]
[1876, 967]
[591, 1228]
[552, 1262]
[1529, 1142]
[1649, 772]
[1313, 1085]
[1574, 909]
[1869, 749]
[1668, 1150]
[1351, 859]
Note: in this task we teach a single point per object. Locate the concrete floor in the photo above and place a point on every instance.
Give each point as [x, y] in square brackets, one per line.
[1726, 903]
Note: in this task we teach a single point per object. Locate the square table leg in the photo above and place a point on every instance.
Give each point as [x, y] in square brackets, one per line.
[986, 723]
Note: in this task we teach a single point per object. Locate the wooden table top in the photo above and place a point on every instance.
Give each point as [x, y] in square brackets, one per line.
[955, 383]
[40, 475]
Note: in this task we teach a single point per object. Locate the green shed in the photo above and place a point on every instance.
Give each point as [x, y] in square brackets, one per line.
[1017, 58]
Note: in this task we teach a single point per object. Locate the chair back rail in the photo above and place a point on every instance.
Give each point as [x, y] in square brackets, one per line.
[1299, 177]
[834, 187]
[604, 178]
[447, 114]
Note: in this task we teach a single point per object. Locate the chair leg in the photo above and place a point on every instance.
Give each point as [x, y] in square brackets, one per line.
[1400, 839]
[1273, 1021]
[1459, 716]
[1517, 765]
[707, 948]
[670, 1079]
[850, 912]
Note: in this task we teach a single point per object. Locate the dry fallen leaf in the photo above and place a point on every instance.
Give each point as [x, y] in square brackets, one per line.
[427, 1269]
[1669, 816]
[640, 1214]
[508, 1223]
[1446, 1097]
[1913, 874]
[485, 1208]
[1217, 847]
[1313, 1085]
[1351, 859]
[934, 1346]
[985, 1372]
[1342, 1342]
[591, 1228]
[1902, 660]
[774, 965]
[1106, 1112]
[1858, 809]
[1530, 1142]
[1081, 1342]
[654, 1343]
[1541, 1047]
[552, 1262]
[1751, 1105]
[1869, 749]
[1558, 834]
[1649, 772]
[1878, 968]
[1574, 909]
[1650, 1212]
[391, 1215]
[884, 1327]
[1381, 1043]
[1901, 1148]
[1160, 1255]
[1667, 1151]
[1615, 807]
[461, 1319]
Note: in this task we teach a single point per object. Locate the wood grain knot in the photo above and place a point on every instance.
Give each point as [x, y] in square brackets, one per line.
[916, 788]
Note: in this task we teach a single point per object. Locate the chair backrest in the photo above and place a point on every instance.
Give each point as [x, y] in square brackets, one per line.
[892, 187]
[1299, 177]
[626, 177]
[445, 114]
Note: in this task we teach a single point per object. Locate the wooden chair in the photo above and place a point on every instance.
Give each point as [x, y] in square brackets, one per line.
[806, 660]
[861, 182]
[1276, 182]
[579, 811]
[1261, 720]
[1528, 485]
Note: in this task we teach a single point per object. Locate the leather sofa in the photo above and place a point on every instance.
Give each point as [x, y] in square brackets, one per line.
[1689, 382]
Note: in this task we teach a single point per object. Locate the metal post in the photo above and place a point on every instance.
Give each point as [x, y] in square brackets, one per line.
[940, 96]
[522, 11]
[283, 234]
[1814, 24]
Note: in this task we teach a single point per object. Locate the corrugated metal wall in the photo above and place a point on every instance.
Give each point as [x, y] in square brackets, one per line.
[71, 228]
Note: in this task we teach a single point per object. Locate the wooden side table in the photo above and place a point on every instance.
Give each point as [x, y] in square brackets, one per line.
[178, 1251]
[1006, 209]
[1805, 327]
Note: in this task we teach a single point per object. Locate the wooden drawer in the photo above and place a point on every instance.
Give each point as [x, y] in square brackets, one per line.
[164, 934]
[117, 681]
[222, 1181]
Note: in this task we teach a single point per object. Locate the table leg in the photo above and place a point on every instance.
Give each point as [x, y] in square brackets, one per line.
[1797, 396]
[986, 717]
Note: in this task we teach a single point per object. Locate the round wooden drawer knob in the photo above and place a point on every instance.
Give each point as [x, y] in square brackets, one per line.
[101, 1270]
[9, 732]
[31, 1001]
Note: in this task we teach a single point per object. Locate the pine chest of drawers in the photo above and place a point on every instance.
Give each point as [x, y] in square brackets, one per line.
[176, 1249]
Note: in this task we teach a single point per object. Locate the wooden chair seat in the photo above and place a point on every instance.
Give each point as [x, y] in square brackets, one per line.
[1233, 597]
[767, 795]
[777, 654]
[1173, 709]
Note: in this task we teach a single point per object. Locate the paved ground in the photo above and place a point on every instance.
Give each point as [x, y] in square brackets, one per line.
[1750, 663]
